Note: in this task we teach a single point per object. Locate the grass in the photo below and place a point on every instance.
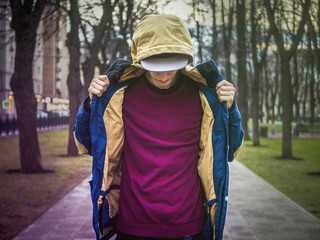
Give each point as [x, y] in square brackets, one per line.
[25, 197]
[298, 178]
[278, 125]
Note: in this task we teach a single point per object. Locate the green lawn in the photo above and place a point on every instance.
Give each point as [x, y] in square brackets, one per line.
[278, 125]
[298, 178]
[24, 197]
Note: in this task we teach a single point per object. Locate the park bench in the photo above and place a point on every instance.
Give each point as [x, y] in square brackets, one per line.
[302, 128]
[314, 129]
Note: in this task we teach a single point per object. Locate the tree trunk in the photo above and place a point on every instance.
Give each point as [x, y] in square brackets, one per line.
[313, 35]
[266, 96]
[75, 101]
[199, 40]
[269, 93]
[275, 88]
[89, 65]
[295, 84]
[88, 69]
[26, 104]
[256, 79]
[261, 103]
[25, 22]
[318, 13]
[255, 108]
[296, 87]
[242, 70]
[286, 86]
[215, 47]
[286, 99]
[311, 78]
[305, 95]
[318, 91]
[73, 81]
[312, 97]
[226, 33]
[273, 115]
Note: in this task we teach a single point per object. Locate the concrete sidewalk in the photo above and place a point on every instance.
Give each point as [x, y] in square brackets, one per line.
[256, 210]
[69, 219]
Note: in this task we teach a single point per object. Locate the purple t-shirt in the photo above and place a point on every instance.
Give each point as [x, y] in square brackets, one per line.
[160, 188]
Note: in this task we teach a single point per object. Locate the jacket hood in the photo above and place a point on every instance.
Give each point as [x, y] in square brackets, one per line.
[157, 34]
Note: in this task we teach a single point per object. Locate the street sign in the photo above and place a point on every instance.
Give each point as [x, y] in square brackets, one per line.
[6, 104]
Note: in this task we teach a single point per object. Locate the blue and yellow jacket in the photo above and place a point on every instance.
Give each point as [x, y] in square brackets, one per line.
[101, 134]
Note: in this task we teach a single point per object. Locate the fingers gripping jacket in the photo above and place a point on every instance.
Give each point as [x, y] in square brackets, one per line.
[115, 71]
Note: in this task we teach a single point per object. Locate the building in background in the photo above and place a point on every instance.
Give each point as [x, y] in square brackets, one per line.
[50, 66]
[56, 62]
[7, 53]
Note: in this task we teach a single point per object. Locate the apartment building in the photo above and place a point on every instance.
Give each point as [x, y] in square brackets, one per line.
[7, 53]
[50, 64]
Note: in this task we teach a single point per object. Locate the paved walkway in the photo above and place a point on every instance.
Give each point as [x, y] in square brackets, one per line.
[256, 210]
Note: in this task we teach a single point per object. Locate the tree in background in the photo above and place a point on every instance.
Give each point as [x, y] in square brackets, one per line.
[74, 82]
[242, 65]
[105, 39]
[271, 84]
[214, 35]
[227, 35]
[97, 33]
[311, 77]
[197, 31]
[116, 42]
[313, 22]
[26, 16]
[295, 85]
[116, 22]
[285, 56]
[256, 18]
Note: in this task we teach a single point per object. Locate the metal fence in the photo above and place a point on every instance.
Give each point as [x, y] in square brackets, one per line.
[9, 126]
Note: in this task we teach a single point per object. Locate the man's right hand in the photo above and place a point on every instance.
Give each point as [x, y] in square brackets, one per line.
[98, 85]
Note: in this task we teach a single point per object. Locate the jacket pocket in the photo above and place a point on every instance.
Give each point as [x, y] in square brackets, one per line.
[108, 204]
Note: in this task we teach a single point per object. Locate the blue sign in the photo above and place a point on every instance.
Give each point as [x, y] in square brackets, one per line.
[6, 104]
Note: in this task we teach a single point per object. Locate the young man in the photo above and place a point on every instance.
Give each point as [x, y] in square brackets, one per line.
[161, 134]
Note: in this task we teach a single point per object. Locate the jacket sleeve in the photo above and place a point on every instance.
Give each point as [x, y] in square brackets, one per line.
[82, 129]
[82, 133]
[236, 133]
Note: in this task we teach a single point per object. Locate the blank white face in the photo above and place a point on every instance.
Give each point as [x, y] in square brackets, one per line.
[162, 80]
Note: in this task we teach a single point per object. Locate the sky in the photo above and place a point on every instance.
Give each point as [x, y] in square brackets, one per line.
[183, 9]
[178, 8]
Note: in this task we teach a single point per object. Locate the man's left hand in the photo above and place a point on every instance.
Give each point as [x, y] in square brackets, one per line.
[226, 92]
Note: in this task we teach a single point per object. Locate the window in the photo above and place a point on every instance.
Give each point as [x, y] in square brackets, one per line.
[11, 39]
[11, 62]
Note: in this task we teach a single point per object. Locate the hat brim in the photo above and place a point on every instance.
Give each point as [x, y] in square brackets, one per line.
[164, 64]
